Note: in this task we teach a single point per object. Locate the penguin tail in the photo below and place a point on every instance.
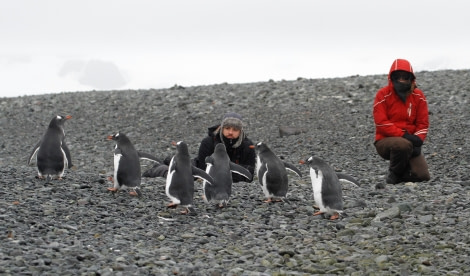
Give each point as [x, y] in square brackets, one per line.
[48, 179]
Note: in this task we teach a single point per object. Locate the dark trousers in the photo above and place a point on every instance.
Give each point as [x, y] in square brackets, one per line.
[399, 150]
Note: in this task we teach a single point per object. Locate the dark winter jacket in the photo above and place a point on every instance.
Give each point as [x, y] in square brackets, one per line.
[242, 155]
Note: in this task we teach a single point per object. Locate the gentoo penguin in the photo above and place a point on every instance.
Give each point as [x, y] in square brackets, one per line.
[327, 191]
[53, 155]
[180, 179]
[127, 164]
[220, 168]
[271, 172]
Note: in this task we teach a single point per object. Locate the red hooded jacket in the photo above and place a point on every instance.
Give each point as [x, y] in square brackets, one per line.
[392, 116]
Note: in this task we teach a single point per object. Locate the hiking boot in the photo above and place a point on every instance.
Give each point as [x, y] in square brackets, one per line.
[392, 178]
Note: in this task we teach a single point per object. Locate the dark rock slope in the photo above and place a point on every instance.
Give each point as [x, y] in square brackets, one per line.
[75, 227]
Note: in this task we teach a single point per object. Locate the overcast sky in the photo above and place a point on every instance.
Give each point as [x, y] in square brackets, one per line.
[52, 46]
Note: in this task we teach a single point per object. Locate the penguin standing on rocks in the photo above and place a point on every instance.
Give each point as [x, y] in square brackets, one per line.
[52, 153]
[327, 190]
[272, 173]
[180, 179]
[220, 168]
[127, 164]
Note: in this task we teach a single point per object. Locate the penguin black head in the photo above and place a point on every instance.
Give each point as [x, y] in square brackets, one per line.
[260, 147]
[312, 162]
[118, 137]
[220, 147]
[58, 121]
[182, 148]
[114, 137]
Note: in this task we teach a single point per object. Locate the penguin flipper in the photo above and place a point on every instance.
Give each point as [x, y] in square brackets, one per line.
[208, 171]
[262, 172]
[198, 173]
[292, 168]
[172, 166]
[148, 156]
[347, 178]
[67, 154]
[210, 160]
[35, 150]
[235, 168]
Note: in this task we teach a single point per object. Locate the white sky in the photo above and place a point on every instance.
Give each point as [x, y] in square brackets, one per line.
[52, 46]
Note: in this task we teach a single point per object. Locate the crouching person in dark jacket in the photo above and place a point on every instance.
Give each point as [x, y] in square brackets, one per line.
[230, 132]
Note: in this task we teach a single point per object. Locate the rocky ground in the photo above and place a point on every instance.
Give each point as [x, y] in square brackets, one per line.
[76, 227]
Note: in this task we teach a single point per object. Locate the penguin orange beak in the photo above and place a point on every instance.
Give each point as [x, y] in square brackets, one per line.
[302, 162]
[109, 137]
[68, 117]
[252, 146]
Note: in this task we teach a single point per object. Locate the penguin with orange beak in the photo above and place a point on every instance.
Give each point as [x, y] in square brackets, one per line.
[127, 165]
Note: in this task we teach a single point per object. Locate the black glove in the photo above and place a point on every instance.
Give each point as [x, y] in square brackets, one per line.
[414, 139]
[158, 170]
[416, 151]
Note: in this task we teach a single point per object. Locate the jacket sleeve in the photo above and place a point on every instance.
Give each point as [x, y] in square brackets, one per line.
[422, 118]
[248, 161]
[382, 123]
[206, 148]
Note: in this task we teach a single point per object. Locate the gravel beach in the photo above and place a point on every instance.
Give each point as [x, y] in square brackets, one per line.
[75, 226]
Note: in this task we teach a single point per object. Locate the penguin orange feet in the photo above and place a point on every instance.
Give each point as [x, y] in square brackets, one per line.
[269, 200]
[334, 216]
[189, 210]
[317, 213]
[172, 205]
[113, 190]
[133, 193]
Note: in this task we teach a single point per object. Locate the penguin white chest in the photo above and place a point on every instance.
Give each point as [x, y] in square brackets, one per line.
[117, 158]
[317, 180]
[258, 165]
[66, 161]
[169, 180]
[264, 182]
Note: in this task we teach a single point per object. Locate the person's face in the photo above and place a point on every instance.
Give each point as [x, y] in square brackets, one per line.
[402, 76]
[231, 132]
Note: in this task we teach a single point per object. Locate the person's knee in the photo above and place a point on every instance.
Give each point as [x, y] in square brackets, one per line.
[402, 145]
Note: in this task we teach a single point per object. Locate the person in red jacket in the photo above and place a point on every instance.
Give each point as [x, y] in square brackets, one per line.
[401, 125]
